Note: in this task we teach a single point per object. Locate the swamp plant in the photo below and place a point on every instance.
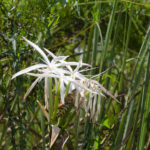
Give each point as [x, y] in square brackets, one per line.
[66, 105]
[70, 84]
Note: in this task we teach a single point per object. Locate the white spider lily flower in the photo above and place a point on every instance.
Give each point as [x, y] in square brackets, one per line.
[64, 73]
[56, 68]
[53, 68]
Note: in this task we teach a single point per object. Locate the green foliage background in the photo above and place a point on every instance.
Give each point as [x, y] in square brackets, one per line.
[107, 34]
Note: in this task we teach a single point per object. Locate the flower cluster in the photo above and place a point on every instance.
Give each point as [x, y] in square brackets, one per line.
[65, 73]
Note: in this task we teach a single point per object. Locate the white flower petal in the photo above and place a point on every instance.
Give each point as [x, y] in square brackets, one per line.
[38, 49]
[43, 75]
[69, 68]
[50, 53]
[79, 65]
[46, 92]
[75, 64]
[56, 58]
[98, 107]
[31, 87]
[28, 70]
[94, 106]
[62, 91]
[78, 84]
[60, 59]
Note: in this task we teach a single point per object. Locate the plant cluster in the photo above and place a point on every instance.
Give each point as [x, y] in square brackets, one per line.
[62, 102]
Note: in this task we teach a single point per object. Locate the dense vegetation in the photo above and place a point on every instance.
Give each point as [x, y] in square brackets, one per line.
[112, 36]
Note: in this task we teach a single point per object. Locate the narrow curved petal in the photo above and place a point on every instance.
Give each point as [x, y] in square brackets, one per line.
[38, 49]
[62, 91]
[78, 84]
[31, 87]
[74, 64]
[43, 75]
[29, 69]
[56, 58]
[50, 53]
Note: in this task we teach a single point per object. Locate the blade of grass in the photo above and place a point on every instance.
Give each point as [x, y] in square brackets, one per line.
[127, 113]
[115, 39]
[121, 86]
[56, 102]
[145, 107]
[130, 143]
[76, 130]
[120, 131]
[87, 59]
[139, 60]
[43, 130]
[94, 52]
[50, 100]
[108, 35]
[131, 91]
[104, 52]
[112, 56]
[88, 129]
[125, 53]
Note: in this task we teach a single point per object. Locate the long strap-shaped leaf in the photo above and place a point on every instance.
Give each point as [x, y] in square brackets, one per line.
[145, 107]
